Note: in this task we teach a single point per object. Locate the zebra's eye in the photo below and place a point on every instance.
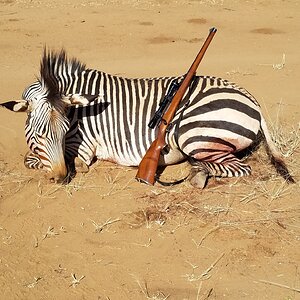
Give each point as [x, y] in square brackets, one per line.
[41, 133]
[41, 136]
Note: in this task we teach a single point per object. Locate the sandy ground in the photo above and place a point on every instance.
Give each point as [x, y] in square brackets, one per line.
[105, 236]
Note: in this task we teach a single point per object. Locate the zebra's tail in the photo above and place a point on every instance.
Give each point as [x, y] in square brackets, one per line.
[274, 154]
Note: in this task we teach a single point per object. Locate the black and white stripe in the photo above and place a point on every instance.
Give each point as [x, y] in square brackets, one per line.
[215, 120]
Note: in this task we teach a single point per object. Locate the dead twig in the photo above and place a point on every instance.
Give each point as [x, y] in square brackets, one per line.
[277, 66]
[75, 281]
[205, 235]
[158, 296]
[36, 241]
[100, 227]
[144, 245]
[50, 233]
[280, 285]
[206, 274]
[34, 283]
[199, 290]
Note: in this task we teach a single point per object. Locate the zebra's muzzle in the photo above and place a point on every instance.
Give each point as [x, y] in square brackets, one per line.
[58, 174]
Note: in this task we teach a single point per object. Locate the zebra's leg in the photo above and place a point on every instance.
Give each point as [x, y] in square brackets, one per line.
[80, 166]
[32, 161]
[226, 166]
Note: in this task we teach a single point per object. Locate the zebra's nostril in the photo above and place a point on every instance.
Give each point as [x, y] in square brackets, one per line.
[52, 180]
[57, 179]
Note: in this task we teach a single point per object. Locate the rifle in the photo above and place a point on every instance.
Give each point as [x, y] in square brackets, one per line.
[148, 165]
[163, 105]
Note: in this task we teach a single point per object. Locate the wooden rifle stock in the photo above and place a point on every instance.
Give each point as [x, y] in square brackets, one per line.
[148, 165]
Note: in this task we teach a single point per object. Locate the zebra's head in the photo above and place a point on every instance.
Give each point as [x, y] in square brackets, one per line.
[46, 127]
[47, 123]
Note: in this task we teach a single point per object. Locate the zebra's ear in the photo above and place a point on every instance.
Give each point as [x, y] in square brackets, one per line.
[77, 99]
[16, 106]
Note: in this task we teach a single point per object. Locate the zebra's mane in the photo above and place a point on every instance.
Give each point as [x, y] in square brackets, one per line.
[53, 64]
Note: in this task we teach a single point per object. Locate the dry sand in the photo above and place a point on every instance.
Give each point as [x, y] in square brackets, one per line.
[105, 236]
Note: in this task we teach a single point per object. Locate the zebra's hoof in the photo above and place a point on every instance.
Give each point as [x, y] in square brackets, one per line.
[80, 166]
[198, 179]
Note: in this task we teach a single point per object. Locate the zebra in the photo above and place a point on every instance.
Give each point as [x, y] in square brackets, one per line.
[77, 115]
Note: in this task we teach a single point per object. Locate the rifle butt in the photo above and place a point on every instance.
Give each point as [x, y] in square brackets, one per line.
[148, 165]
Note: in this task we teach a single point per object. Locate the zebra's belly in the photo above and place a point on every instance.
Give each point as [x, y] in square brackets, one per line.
[121, 158]
[127, 157]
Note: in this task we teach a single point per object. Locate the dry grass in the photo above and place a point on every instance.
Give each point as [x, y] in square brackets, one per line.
[277, 66]
[11, 180]
[100, 227]
[212, 2]
[206, 274]
[280, 285]
[158, 295]
[76, 281]
[286, 137]
[287, 142]
[234, 207]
